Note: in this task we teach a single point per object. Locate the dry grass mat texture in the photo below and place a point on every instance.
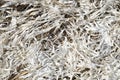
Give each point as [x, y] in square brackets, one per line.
[59, 39]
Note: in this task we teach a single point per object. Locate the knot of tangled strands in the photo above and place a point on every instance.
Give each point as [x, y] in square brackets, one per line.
[59, 40]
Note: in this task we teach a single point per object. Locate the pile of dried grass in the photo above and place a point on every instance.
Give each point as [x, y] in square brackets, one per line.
[59, 40]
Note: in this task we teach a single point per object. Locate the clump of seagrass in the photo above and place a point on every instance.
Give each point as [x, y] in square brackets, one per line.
[59, 40]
